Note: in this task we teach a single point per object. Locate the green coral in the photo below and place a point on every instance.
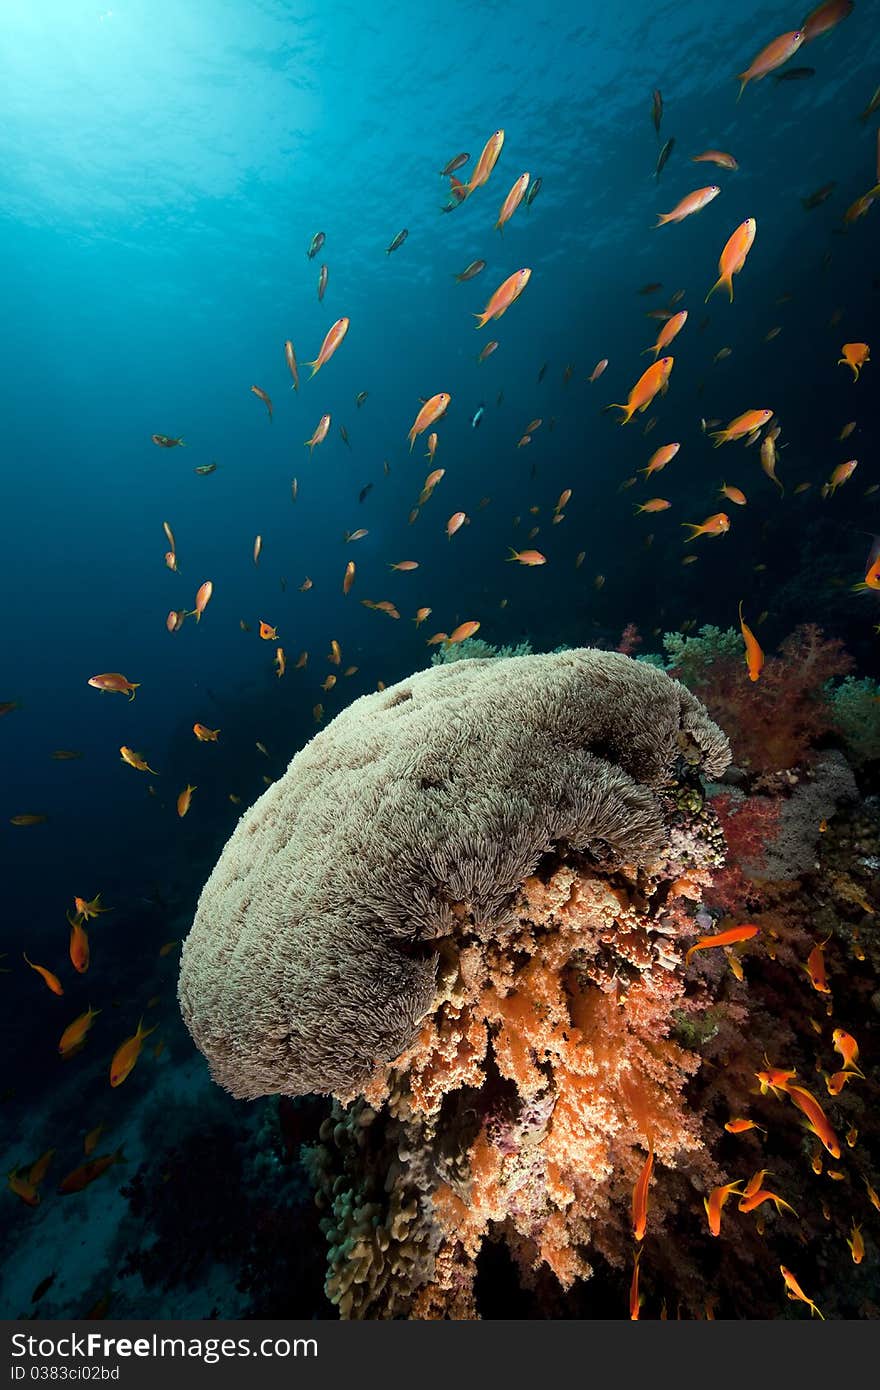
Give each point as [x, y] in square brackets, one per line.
[653, 659]
[691, 655]
[474, 648]
[856, 707]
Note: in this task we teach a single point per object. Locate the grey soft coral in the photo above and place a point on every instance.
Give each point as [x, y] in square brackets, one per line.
[313, 956]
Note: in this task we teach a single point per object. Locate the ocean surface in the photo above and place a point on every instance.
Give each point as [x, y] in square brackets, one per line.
[163, 170]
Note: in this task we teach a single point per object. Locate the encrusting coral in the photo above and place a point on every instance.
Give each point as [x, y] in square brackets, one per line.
[313, 956]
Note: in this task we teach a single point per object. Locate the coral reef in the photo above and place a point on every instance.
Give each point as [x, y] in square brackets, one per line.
[314, 953]
[475, 649]
[856, 706]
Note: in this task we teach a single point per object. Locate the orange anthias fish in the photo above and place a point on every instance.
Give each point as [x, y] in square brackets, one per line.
[733, 257]
[512, 202]
[640, 1194]
[51, 981]
[855, 356]
[825, 17]
[842, 473]
[23, 1189]
[79, 945]
[796, 1293]
[671, 329]
[113, 682]
[320, 433]
[754, 654]
[659, 459]
[635, 1301]
[856, 1244]
[258, 391]
[835, 1084]
[267, 632]
[653, 504]
[74, 1034]
[774, 1079]
[184, 800]
[527, 557]
[462, 632]
[455, 523]
[86, 1173]
[715, 525]
[737, 1126]
[88, 909]
[126, 1055]
[693, 202]
[348, 577]
[654, 380]
[715, 1202]
[290, 357]
[742, 425]
[432, 410]
[815, 968]
[486, 162]
[505, 295]
[203, 598]
[280, 662]
[770, 58]
[205, 735]
[136, 760]
[848, 1049]
[733, 494]
[817, 1120]
[331, 342]
[724, 938]
[719, 157]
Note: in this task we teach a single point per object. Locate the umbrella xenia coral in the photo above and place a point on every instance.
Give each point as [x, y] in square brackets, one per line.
[409, 826]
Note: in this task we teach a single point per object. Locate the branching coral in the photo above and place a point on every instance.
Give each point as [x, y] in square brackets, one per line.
[856, 706]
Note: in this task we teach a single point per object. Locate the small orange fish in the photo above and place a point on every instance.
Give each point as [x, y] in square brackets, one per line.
[175, 620]
[796, 1293]
[38, 1170]
[290, 357]
[842, 473]
[635, 1301]
[733, 494]
[404, 566]
[113, 682]
[261, 394]
[873, 1197]
[640, 1194]
[757, 1199]
[835, 1084]
[855, 356]
[512, 202]
[856, 1244]
[432, 447]
[719, 157]
[455, 523]
[486, 163]
[136, 760]
[653, 504]
[715, 1203]
[88, 909]
[258, 549]
[771, 57]
[87, 1172]
[659, 459]
[484, 353]
[320, 433]
[280, 662]
[754, 654]
[815, 968]
[184, 800]
[671, 329]
[743, 1126]
[462, 632]
[505, 295]
[171, 561]
[733, 256]
[203, 598]
[848, 1049]
[724, 938]
[824, 17]
[693, 202]
[432, 410]
[51, 980]
[654, 380]
[527, 557]
[268, 633]
[421, 615]
[600, 367]
[126, 1055]
[742, 425]
[79, 945]
[23, 1189]
[205, 735]
[332, 339]
[715, 525]
[348, 577]
[74, 1034]
[817, 1121]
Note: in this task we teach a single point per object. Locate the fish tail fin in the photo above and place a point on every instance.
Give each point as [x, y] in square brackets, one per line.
[695, 531]
[743, 83]
[514, 555]
[483, 319]
[662, 219]
[627, 413]
[859, 588]
[313, 365]
[722, 280]
[720, 437]
[653, 348]
[412, 439]
[132, 689]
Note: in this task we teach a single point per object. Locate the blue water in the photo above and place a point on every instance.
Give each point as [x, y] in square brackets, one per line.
[163, 168]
